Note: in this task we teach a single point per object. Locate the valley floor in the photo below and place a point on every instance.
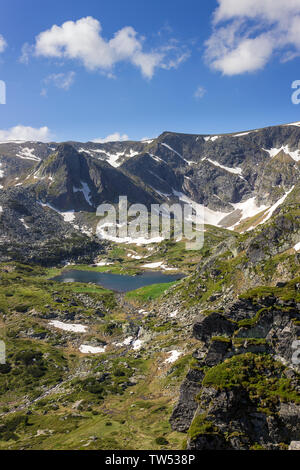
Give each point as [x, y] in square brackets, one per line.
[55, 397]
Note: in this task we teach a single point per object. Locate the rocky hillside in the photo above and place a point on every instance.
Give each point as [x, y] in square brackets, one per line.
[207, 362]
[243, 387]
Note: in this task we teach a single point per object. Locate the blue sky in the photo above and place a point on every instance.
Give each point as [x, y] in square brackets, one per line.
[186, 66]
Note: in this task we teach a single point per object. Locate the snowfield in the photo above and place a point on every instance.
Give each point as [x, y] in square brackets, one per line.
[104, 235]
[248, 208]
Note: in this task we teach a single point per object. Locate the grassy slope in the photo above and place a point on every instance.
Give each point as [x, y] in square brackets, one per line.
[130, 418]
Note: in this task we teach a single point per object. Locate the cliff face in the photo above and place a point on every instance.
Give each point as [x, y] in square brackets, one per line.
[243, 387]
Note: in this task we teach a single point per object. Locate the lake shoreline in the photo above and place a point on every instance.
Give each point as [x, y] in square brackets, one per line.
[120, 283]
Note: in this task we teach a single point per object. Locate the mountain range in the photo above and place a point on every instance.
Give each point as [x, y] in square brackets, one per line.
[233, 177]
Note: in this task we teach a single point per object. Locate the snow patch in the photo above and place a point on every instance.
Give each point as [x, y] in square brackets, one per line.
[174, 355]
[137, 344]
[174, 314]
[68, 216]
[130, 255]
[27, 154]
[86, 349]
[248, 209]
[126, 342]
[274, 207]
[112, 157]
[210, 217]
[85, 190]
[152, 265]
[103, 263]
[297, 247]
[104, 235]
[174, 151]
[75, 328]
[158, 264]
[211, 138]
[243, 133]
[295, 155]
[235, 171]
[297, 124]
[156, 158]
[23, 222]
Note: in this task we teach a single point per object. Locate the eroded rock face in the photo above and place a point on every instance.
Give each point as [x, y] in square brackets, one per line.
[212, 325]
[183, 413]
[32, 233]
[233, 397]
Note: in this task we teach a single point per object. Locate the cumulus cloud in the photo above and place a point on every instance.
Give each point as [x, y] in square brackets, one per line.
[3, 43]
[82, 40]
[246, 34]
[25, 133]
[115, 137]
[200, 92]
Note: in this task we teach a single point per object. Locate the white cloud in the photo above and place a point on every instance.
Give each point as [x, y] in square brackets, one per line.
[3, 43]
[246, 34]
[25, 133]
[26, 52]
[60, 80]
[116, 137]
[200, 92]
[82, 40]
[271, 10]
